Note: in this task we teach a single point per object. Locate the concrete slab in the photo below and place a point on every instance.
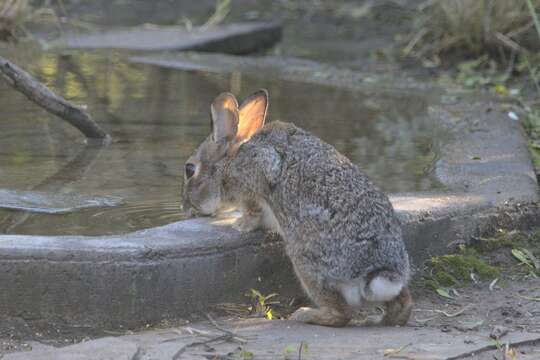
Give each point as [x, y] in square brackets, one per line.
[239, 38]
[102, 349]
[293, 69]
[263, 339]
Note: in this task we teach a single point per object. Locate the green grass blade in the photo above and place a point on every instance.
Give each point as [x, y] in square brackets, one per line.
[534, 16]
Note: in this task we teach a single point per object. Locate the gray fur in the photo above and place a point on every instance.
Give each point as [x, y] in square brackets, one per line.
[338, 227]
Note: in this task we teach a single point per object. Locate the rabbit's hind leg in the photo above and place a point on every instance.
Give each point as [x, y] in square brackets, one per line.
[332, 309]
[398, 310]
[325, 315]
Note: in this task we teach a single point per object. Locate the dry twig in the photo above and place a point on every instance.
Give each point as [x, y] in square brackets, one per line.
[234, 335]
[183, 349]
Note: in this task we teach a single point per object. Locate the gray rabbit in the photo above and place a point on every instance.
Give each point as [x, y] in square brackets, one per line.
[340, 230]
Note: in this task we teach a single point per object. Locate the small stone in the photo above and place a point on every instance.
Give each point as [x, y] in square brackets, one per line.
[469, 326]
[512, 115]
[445, 329]
[498, 332]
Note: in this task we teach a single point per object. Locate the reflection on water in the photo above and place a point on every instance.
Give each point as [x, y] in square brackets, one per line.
[158, 116]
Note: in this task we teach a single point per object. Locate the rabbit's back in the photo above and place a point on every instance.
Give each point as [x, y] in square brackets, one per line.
[334, 219]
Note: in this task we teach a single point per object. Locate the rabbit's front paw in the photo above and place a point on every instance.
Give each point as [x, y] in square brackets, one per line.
[247, 223]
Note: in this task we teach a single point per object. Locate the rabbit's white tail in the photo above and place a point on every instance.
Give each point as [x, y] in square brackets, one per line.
[379, 289]
[382, 289]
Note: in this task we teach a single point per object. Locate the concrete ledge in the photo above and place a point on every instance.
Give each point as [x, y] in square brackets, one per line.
[178, 269]
[239, 38]
[182, 268]
[292, 69]
[134, 279]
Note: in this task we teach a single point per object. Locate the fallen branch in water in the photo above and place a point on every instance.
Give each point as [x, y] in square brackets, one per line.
[23, 82]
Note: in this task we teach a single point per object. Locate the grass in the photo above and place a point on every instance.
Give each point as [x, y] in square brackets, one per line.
[15, 15]
[532, 128]
[223, 8]
[521, 248]
[534, 16]
[487, 44]
[474, 27]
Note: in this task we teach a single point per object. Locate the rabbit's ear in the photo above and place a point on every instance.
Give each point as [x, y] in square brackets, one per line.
[224, 111]
[252, 115]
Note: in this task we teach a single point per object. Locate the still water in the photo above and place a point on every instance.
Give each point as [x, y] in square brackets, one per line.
[158, 116]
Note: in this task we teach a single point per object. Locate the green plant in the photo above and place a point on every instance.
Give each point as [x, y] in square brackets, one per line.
[246, 355]
[531, 124]
[534, 15]
[450, 271]
[527, 259]
[223, 8]
[262, 305]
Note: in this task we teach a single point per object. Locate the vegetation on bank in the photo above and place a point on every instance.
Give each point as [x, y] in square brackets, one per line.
[506, 253]
[488, 44]
[475, 27]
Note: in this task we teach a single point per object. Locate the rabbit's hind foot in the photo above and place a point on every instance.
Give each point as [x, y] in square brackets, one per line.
[324, 316]
[398, 310]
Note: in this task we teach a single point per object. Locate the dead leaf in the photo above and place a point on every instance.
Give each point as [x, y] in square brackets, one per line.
[459, 312]
[444, 293]
[392, 352]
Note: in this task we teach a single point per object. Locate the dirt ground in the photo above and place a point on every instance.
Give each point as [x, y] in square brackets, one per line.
[509, 306]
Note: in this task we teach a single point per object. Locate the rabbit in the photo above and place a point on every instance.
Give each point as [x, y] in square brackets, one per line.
[340, 231]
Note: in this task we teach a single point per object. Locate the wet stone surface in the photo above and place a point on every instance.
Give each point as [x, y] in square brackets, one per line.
[52, 203]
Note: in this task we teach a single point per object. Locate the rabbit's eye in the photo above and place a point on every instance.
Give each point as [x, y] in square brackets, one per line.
[190, 170]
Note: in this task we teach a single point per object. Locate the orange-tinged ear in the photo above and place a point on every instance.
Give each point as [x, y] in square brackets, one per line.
[224, 111]
[252, 114]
